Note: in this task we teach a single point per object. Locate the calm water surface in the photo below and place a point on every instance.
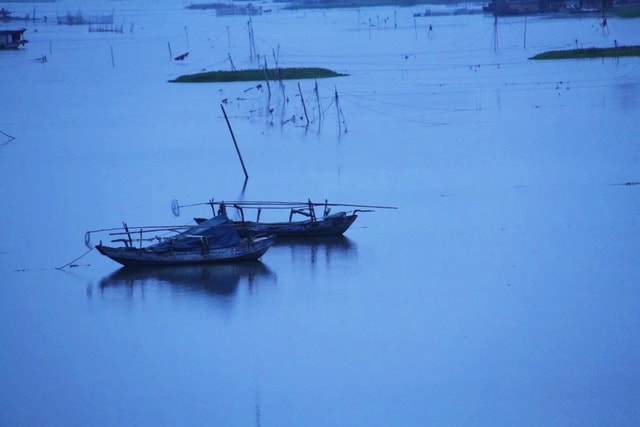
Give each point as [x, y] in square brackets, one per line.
[504, 290]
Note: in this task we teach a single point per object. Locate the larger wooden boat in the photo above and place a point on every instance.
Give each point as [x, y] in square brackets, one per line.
[313, 224]
[215, 240]
[329, 225]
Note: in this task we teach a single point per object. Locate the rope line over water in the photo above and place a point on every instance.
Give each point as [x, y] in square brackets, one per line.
[71, 263]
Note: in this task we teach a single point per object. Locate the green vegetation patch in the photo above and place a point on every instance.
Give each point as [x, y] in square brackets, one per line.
[590, 52]
[257, 75]
[627, 11]
[350, 4]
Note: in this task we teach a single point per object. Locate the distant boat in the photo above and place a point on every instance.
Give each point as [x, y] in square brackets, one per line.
[5, 16]
[223, 9]
[248, 10]
[12, 39]
[212, 241]
[327, 224]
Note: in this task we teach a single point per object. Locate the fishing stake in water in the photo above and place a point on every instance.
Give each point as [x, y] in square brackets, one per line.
[246, 175]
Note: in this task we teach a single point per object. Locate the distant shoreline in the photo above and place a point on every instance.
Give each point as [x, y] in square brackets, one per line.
[622, 11]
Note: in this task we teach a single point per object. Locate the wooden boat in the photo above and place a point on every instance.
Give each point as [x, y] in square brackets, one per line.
[331, 225]
[12, 39]
[215, 240]
[327, 224]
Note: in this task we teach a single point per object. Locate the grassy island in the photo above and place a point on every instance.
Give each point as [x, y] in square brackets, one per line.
[627, 11]
[257, 75]
[590, 52]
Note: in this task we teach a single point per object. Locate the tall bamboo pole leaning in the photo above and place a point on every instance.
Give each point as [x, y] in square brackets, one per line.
[266, 79]
[338, 112]
[319, 106]
[246, 175]
[304, 107]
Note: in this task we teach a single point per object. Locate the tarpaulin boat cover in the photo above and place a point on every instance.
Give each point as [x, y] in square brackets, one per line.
[217, 232]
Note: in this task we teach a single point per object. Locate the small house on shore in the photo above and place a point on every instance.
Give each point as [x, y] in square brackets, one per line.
[12, 39]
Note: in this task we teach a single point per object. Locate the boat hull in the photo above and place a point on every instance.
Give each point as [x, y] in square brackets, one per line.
[331, 225]
[248, 250]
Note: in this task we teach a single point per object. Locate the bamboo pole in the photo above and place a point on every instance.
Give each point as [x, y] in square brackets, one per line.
[266, 77]
[338, 112]
[304, 107]
[318, 102]
[233, 67]
[264, 204]
[246, 176]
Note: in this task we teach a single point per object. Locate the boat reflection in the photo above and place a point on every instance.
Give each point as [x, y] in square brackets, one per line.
[316, 248]
[220, 280]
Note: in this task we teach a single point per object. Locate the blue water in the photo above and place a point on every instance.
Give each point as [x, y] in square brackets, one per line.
[504, 290]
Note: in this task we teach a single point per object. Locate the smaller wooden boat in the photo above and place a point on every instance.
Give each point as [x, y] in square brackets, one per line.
[215, 240]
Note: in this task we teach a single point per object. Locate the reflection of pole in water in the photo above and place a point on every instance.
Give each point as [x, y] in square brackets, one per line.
[11, 138]
[258, 415]
[495, 33]
[322, 250]
[525, 31]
